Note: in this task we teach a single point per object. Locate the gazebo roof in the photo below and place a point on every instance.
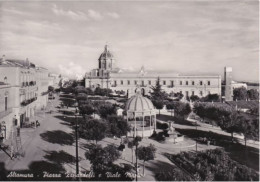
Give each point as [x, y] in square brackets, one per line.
[138, 103]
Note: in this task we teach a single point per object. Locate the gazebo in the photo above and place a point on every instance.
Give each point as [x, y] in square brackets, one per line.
[139, 106]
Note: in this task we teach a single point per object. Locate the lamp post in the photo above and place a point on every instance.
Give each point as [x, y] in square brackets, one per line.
[4, 128]
[76, 132]
[196, 138]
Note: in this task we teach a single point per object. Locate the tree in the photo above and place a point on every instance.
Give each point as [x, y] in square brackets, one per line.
[93, 129]
[87, 108]
[240, 93]
[182, 109]
[211, 98]
[213, 165]
[146, 154]
[254, 109]
[157, 92]
[174, 175]
[79, 89]
[170, 106]
[253, 94]
[248, 127]
[158, 104]
[74, 83]
[199, 109]
[102, 91]
[105, 109]
[69, 102]
[117, 126]
[229, 124]
[194, 98]
[81, 98]
[101, 158]
[178, 95]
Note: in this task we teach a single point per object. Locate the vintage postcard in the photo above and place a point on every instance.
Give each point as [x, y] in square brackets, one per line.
[129, 90]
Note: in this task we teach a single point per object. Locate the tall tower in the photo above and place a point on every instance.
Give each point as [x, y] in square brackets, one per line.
[228, 84]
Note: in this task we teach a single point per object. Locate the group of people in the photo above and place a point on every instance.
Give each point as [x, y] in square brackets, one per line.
[35, 124]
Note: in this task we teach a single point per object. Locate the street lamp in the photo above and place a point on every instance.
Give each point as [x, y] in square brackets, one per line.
[76, 132]
[196, 138]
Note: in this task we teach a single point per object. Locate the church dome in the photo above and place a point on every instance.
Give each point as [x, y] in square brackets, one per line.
[106, 54]
[138, 103]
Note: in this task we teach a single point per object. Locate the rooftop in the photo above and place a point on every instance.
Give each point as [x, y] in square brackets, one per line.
[15, 63]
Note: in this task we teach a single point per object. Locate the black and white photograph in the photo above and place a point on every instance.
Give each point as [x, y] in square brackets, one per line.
[129, 90]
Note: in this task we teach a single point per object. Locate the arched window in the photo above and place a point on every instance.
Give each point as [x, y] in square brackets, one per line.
[5, 79]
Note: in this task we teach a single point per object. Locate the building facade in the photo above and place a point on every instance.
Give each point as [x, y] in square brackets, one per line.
[6, 116]
[108, 76]
[43, 79]
[27, 83]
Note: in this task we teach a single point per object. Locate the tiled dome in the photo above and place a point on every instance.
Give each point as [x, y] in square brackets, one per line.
[106, 54]
[138, 103]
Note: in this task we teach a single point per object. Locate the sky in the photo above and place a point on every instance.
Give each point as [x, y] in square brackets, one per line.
[187, 37]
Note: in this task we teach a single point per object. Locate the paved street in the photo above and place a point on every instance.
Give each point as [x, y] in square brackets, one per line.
[43, 144]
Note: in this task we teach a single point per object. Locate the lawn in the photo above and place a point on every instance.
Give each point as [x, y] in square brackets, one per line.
[248, 156]
[243, 104]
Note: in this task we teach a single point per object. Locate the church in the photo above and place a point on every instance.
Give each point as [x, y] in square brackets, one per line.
[107, 75]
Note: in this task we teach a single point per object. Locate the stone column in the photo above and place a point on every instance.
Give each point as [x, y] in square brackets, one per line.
[143, 125]
[150, 124]
[135, 124]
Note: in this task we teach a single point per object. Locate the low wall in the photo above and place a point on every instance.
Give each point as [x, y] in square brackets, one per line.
[146, 133]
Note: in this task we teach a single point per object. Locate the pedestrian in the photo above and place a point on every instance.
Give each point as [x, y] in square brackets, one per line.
[37, 123]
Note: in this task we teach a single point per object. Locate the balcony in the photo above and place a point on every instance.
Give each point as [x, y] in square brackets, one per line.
[29, 101]
[32, 83]
[170, 86]
[45, 93]
[5, 113]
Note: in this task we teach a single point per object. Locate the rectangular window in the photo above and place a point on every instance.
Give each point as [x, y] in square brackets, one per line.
[193, 83]
[172, 83]
[164, 82]
[142, 83]
[5, 103]
[115, 82]
[187, 93]
[149, 82]
[122, 82]
[208, 82]
[135, 82]
[201, 93]
[200, 82]
[192, 92]
[187, 83]
[128, 82]
[180, 82]
[180, 92]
